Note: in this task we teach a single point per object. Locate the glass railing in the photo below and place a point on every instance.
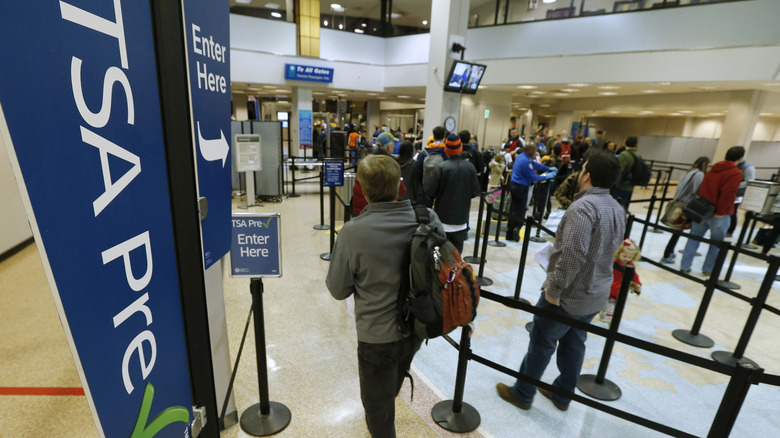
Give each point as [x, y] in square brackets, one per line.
[489, 13]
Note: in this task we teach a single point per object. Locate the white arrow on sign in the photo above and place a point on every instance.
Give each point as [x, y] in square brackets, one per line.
[213, 150]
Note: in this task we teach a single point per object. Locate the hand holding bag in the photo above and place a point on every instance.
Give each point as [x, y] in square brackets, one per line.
[674, 217]
[699, 210]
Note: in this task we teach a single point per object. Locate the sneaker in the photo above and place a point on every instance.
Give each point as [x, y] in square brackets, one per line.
[505, 392]
[548, 394]
[667, 260]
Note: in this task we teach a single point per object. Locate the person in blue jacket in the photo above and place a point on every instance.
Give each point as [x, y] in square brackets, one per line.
[523, 176]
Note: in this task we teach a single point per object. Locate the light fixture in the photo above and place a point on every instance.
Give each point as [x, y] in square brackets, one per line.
[276, 15]
[246, 2]
[548, 1]
[609, 87]
[570, 90]
[646, 112]
[271, 5]
[651, 91]
[527, 87]
[685, 112]
[425, 22]
[396, 15]
[608, 93]
[341, 26]
[579, 84]
[675, 114]
[765, 114]
[538, 92]
[363, 25]
[663, 84]
[544, 105]
[772, 84]
[337, 7]
[560, 94]
[359, 31]
[403, 97]
[325, 22]
[716, 114]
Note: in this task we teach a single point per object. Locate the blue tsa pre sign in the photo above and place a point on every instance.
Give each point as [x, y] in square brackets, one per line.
[207, 30]
[94, 181]
[256, 245]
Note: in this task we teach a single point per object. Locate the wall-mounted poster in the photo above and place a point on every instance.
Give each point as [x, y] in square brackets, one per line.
[533, 4]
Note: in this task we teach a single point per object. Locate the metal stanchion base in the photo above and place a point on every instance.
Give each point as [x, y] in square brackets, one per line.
[749, 246]
[325, 256]
[537, 239]
[727, 358]
[728, 284]
[250, 205]
[464, 421]
[687, 337]
[497, 244]
[484, 281]
[655, 231]
[294, 195]
[607, 390]
[697, 254]
[472, 259]
[321, 227]
[255, 423]
[529, 326]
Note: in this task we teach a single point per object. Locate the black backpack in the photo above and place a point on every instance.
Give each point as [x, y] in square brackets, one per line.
[440, 291]
[638, 174]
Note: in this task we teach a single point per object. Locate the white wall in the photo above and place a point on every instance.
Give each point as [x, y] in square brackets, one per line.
[270, 36]
[337, 45]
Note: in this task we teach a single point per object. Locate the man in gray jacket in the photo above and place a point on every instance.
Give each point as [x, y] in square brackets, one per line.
[366, 262]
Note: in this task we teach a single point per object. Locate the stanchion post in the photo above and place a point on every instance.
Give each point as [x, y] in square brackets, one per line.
[267, 417]
[475, 258]
[726, 282]
[321, 225]
[529, 221]
[647, 221]
[455, 415]
[728, 358]
[504, 191]
[597, 386]
[326, 255]
[748, 241]
[540, 214]
[629, 225]
[484, 281]
[693, 337]
[744, 375]
[661, 203]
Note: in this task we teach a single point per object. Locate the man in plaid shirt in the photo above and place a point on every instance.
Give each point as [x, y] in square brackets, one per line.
[578, 282]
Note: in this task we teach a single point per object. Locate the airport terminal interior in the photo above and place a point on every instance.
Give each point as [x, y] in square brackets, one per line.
[687, 77]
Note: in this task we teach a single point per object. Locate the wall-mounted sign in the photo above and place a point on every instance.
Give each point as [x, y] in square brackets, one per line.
[207, 30]
[256, 245]
[248, 152]
[95, 185]
[304, 129]
[333, 173]
[308, 73]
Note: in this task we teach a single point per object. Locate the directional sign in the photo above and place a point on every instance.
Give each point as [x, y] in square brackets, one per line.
[308, 73]
[207, 30]
[94, 181]
[334, 174]
[256, 245]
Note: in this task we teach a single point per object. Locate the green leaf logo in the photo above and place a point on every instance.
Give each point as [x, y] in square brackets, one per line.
[171, 415]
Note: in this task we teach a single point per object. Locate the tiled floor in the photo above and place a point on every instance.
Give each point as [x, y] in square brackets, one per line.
[311, 351]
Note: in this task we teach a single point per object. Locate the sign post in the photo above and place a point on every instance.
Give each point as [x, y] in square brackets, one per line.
[256, 252]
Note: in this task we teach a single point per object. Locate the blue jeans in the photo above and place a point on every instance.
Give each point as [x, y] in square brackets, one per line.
[571, 352]
[717, 227]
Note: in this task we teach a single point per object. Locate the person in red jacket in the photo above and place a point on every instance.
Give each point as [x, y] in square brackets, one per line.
[626, 255]
[719, 186]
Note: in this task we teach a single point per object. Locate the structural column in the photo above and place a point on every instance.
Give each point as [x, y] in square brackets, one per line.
[563, 122]
[301, 122]
[372, 116]
[740, 122]
[448, 27]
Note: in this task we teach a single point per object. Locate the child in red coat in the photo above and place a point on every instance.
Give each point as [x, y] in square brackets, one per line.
[626, 255]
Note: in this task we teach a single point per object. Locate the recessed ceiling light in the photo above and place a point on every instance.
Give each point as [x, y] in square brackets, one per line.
[663, 84]
[570, 90]
[359, 31]
[538, 92]
[651, 91]
[609, 87]
[396, 15]
[614, 112]
[325, 22]
[544, 105]
[403, 97]
[425, 22]
[527, 87]
[522, 109]
[579, 84]
[246, 2]
[675, 114]
[705, 88]
[608, 93]
[646, 112]
[337, 7]
[716, 114]
[560, 94]
[341, 26]
[765, 114]
[270, 5]
[685, 111]
[372, 94]
[276, 15]
[363, 25]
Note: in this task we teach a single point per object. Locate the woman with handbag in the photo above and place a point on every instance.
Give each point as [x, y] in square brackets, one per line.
[687, 188]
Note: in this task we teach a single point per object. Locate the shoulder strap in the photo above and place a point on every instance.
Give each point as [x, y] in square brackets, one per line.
[422, 215]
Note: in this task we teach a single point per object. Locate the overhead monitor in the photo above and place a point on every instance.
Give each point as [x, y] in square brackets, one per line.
[464, 77]
[282, 115]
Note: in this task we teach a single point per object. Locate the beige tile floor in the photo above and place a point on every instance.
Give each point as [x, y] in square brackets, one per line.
[310, 341]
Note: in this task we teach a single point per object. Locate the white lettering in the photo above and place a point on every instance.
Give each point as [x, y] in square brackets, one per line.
[210, 81]
[138, 305]
[254, 252]
[112, 189]
[113, 75]
[207, 47]
[196, 39]
[123, 250]
[106, 27]
[146, 367]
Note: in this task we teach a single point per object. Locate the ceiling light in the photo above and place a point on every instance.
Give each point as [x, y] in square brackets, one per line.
[570, 90]
[246, 2]
[341, 26]
[522, 109]
[403, 97]
[651, 91]
[772, 84]
[276, 15]
[548, 1]
[544, 105]
[614, 112]
[716, 114]
[337, 7]
[371, 94]
[359, 31]
[363, 25]
[527, 87]
[425, 22]
[663, 84]
[560, 94]
[646, 112]
[608, 93]
[325, 23]
[609, 87]
[685, 112]
[395, 15]
[270, 5]
[579, 84]
[704, 88]
[675, 114]
[765, 114]
[538, 92]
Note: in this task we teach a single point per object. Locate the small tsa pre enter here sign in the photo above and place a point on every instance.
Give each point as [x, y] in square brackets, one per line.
[256, 245]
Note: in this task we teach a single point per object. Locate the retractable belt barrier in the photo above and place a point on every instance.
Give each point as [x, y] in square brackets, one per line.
[460, 417]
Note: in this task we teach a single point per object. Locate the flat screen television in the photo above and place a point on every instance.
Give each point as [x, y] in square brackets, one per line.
[282, 115]
[464, 77]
